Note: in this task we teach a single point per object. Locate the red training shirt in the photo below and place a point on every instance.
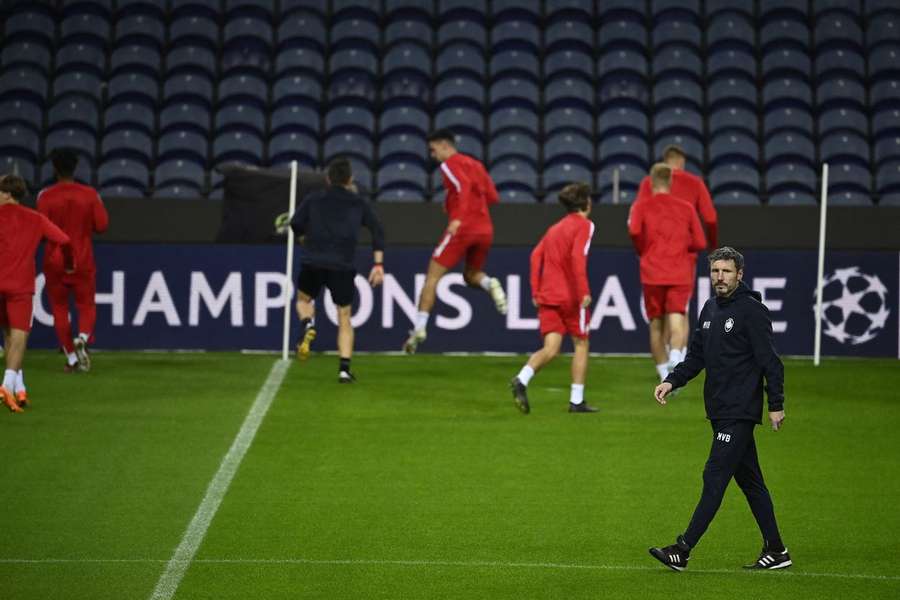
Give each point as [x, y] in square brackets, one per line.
[559, 263]
[689, 187]
[470, 190]
[77, 210]
[666, 231]
[21, 231]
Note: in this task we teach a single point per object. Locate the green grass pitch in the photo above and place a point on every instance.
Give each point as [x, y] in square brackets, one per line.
[423, 481]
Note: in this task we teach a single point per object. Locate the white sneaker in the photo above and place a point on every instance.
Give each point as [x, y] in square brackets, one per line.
[498, 295]
[416, 337]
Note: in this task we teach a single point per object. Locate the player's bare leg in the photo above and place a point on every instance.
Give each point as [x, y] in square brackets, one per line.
[306, 311]
[479, 279]
[658, 347]
[519, 383]
[677, 325]
[345, 344]
[579, 374]
[16, 340]
[426, 302]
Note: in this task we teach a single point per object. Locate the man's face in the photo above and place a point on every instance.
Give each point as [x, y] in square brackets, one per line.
[724, 277]
[440, 150]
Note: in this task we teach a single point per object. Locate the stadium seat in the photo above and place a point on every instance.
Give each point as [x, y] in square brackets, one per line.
[515, 62]
[887, 177]
[569, 118]
[85, 28]
[123, 172]
[677, 62]
[833, 93]
[732, 146]
[626, 62]
[293, 145]
[319, 7]
[623, 148]
[459, 92]
[358, 85]
[515, 118]
[394, 176]
[77, 82]
[837, 119]
[193, 30]
[792, 198]
[188, 87]
[676, 30]
[191, 58]
[74, 110]
[81, 140]
[728, 28]
[303, 27]
[569, 92]
[24, 83]
[883, 29]
[731, 176]
[885, 123]
[185, 115]
[884, 61]
[677, 91]
[514, 91]
[773, 9]
[26, 53]
[787, 92]
[887, 149]
[407, 58]
[885, 94]
[843, 146]
[735, 197]
[296, 89]
[243, 89]
[179, 172]
[242, 117]
[404, 119]
[247, 33]
[129, 115]
[35, 22]
[514, 144]
[623, 119]
[79, 57]
[848, 175]
[135, 58]
[471, 32]
[569, 147]
[19, 166]
[470, 144]
[784, 30]
[734, 116]
[307, 62]
[516, 9]
[514, 175]
[297, 117]
[678, 119]
[351, 118]
[416, 28]
[521, 34]
[133, 87]
[21, 112]
[837, 27]
[237, 146]
[461, 120]
[791, 176]
[731, 63]
[630, 176]
[568, 63]
[142, 29]
[622, 30]
[786, 62]
[730, 92]
[354, 32]
[349, 144]
[19, 142]
[788, 146]
[186, 144]
[788, 119]
[133, 144]
[568, 32]
[362, 175]
[840, 62]
[177, 190]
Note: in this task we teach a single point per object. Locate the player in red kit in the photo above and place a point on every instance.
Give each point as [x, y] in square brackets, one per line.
[666, 231]
[21, 231]
[688, 187]
[469, 234]
[76, 209]
[559, 286]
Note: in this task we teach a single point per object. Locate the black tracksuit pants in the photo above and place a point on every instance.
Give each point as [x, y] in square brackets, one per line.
[733, 454]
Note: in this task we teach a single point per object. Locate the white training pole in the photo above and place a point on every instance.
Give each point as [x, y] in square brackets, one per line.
[823, 209]
[615, 186]
[289, 268]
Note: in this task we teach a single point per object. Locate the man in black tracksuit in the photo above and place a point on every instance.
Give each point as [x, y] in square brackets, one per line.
[327, 224]
[733, 342]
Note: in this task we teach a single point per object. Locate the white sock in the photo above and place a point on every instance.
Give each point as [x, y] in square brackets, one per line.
[674, 356]
[576, 396]
[485, 283]
[9, 380]
[421, 320]
[662, 370]
[525, 375]
[72, 358]
[20, 381]
[84, 337]
[683, 354]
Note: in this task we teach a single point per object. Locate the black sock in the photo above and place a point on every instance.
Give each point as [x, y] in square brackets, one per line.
[775, 545]
[682, 543]
[345, 365]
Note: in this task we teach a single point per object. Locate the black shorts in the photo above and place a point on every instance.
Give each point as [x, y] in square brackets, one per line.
[339, 283]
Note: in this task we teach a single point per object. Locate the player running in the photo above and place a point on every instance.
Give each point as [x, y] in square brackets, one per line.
[666, 231]
[559, 284]
[77, 210]
[469, 233]
[21, 231]
[688, 187]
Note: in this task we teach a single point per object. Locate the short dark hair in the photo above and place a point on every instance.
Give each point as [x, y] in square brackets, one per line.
[14, 186]
[673, 149]
[65, 161]
[339, 171]
[727, 253]
[442, 135]
[575, 196]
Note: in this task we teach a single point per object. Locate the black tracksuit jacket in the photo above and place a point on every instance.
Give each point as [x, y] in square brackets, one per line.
[733, 341]
[330, 220]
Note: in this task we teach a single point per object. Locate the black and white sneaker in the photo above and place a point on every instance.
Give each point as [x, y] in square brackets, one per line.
[675, 556]
[581, 408]
[84, 357]
[771, 560]
[520, 394]
[346, 377]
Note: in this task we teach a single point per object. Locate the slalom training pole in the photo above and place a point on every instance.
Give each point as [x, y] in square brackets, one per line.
[823, 209]
[289, 267]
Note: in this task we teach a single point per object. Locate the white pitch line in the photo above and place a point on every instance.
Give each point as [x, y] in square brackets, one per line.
[196, 530]
[441, 563]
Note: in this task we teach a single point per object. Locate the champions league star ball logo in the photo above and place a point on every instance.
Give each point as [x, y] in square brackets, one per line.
[854, 306]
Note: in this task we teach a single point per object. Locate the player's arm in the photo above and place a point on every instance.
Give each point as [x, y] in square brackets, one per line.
[698, 239]
[490, 190]
[581, 245]
[456, 179]
[300, 220]
[101, 217]
[371, 222]
[56, 235]
[536, 270]
[762, 340]
[636, 227]
[708, 213]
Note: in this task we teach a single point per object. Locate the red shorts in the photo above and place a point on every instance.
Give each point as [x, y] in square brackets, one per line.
[573, 321]
[454, 247]
[662, 300]
[16, 311]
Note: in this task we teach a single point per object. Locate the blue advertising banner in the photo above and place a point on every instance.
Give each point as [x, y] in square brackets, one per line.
[232, 297]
